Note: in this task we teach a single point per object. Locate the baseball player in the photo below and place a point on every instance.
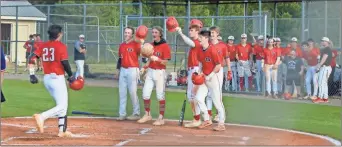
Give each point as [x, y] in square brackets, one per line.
[33, 46]
[295, 69]
[3, 68]
[27, 46]
[312, 56]
[39, 42]
[156, 76]
[270, 64]
[258, 50]
[54, 56]
[222, 52]
[79, 55]
[324, 69]
[128, 66]
[281, 68]
[211, 68]
[244, 57]
[193, 66]
[232, 56]
[293, 46]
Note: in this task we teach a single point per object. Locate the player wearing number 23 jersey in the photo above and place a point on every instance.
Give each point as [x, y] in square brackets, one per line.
[54, 57]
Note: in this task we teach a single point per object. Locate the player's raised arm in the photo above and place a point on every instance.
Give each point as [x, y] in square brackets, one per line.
[186, 39]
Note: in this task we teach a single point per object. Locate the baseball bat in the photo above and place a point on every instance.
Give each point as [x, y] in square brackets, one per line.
[181, 118]
[86, 113]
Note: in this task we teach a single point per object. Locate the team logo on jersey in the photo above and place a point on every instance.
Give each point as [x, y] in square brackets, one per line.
[207, 59]
[158, 54]
[129, 49]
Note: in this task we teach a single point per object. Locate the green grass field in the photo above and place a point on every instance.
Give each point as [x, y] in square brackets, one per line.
[25, 99]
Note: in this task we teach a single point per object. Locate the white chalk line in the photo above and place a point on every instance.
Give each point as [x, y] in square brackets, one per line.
[142, 132]
[334, 141]
[194, 142]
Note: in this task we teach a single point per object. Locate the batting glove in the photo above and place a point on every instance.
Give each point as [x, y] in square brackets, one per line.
[71, 79]
[33, 79]
[179, 30]
[229, 75]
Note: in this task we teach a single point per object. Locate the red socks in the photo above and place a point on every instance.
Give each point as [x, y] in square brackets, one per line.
[241, 82]
[162, 107]
[209, 112]
[197, 117]
[250, 81]
[147, 104]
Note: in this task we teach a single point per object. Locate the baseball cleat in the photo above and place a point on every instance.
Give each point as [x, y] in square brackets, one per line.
[326, 100]
[306, 97]
[133, 117]
[216, 119]
[219, 127]
[318, 100]
[194, 123]
[145, 118]
[205, 124]
[120, 118]
[159, 122]
[65, 134]
[39, 122]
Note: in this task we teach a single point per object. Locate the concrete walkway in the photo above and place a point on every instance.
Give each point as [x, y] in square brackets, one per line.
[114, 83]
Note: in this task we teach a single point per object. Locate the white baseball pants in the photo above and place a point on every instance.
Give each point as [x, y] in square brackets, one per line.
[311, 75]
[80, 68]
[154, 77]
[244, 70]
[323, 76]
[271, 75]
[128, 79]
[190, 94]
[56, 86]
[209, 100]
[215, 93]
[234, 80]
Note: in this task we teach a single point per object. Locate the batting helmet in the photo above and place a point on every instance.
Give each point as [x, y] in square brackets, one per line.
[197, 79]
[141, 32]
[196, 22]
[171, 24]
[77, 84]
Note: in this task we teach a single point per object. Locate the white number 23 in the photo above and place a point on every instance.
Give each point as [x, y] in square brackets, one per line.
[47, 52]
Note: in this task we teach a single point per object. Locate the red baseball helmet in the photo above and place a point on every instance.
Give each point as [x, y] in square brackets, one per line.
[197, 79]
[77, 84]
[141, 32]
[196, 22]
[171, 24]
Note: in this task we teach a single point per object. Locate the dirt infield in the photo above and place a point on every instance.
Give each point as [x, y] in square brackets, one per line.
[107, 131]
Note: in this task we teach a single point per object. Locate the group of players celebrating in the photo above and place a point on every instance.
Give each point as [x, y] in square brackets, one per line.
[206, 59]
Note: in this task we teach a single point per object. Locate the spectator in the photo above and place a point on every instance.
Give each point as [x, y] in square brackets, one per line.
[311, 56]
[79, 55]
[295, 69]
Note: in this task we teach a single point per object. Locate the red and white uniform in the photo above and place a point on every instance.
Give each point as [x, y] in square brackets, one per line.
[243, 53]
[311, 76]
[209, 58]
[193, 66]
[156, 75]
[129, 76]
[270, 59]
[232, 57]
[52, 53]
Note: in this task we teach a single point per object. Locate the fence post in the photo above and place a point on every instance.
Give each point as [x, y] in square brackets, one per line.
[140, 13]
[98, 39]
[48, 16]
[121, 22]
[260, 18]
[265, 33]
[16, 38]
[303, 21]
[325, 18]
[84, 18]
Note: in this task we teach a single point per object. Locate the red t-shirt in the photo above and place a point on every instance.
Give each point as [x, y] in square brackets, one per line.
[231, 52]
[270, 56]
[163, 51]
[129, 54]
[333, 60]
[27, 45]
[286, 52]
[243, 52]
[258, 50]
[52, 53]
[209, 59]
[311, 56]
[192, 58]
[222, 52]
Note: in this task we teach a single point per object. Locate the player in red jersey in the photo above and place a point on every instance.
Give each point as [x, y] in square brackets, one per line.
[293, 46]
[193, 66]
[232, 57]
[156, 76]
[54, 56]
[270, 62]
[210, 61]
[28, 46]
[38, 41]
[331, 89]
[281, 67]
[128, 66]
[311, 56]
[258, 49]
[222, 51]
[244, 55]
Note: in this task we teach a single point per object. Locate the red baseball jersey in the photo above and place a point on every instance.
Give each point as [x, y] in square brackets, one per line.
[286, 52]
[192, 57]
[258, 51]
[52, 53]
[311, 56]
[231, 52]
[279, 50]
[270, 56]
[243, 52]
[163, 51]
[39, 43]
[209, 59]
[27, 45]
[222, 52]
[333, 60]
[129, 54]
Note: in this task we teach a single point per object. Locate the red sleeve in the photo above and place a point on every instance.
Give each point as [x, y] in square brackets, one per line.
[215, 56]
[334, 52]
[166, 52]
[38, 52]
[63, 53]
[138, 48]
[225, 51]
